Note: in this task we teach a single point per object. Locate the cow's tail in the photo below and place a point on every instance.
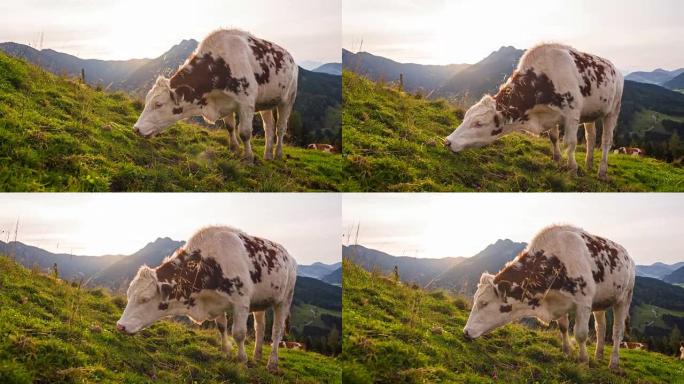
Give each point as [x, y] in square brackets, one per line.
[627, 327]
[287, 325]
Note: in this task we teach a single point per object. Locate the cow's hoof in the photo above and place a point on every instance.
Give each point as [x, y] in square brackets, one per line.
[572, 172]
[603, 177]
[272, 367]
[242, 359]
[615, 367]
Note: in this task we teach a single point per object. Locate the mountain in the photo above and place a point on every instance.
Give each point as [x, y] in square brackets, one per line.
[118, 275]
[56, 332]
[317, 109]
[411, 269]
[676, 83]
[334, 277]
[483, 77]
[464, 277]
[70, 267]
[317, 270]
[330, 69]
[657, 270]
[425, 78]
[310, 65]
[657, 314]
[395, 333]
[658, 76]
[676, 276]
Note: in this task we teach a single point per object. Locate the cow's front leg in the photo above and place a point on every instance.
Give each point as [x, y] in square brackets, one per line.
[555, 146]
[590, 135]
[609, 123]
[600, 325]
[582, 331]
[269, 133]
[259, 330]
[233, 143]
[563, 325]
[283, 116]
[222, 326]
[280, 313]
[245, 129]
[620, 312]
[570, 141]
[240, 314]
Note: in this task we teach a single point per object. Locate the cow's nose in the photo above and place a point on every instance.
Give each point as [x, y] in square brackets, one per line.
[447, 143]
[467, 335]
[136, 130]
[120, 328]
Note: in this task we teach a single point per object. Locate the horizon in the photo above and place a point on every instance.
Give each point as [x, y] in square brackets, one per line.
[437, 226]
[122, 224]
[433, 32]
[92, 29]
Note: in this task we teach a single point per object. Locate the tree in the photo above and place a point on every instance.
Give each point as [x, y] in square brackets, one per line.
[334, 341]
[675, 145]
[675, 339]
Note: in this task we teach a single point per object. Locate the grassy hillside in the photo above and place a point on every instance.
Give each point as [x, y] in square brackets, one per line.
[59, 135]
[393, 142]
[53, 332]
[396, 334]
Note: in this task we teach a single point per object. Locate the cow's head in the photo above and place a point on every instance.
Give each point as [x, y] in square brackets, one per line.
[148, 301]
[491, 309]
[482, 124]
[163, 107]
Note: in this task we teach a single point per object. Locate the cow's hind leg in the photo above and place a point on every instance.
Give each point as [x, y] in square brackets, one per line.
[259, 330]
[563, 325]
[233, 143]
[590, 136]
[582, 331]
[555, 146]
[245, 129]
[600, 325]
[269, 133]
[280, 314]
[609, 123]
[620, 313]
[570, 140]
[222, 326]
[284, 111]
[240, 314]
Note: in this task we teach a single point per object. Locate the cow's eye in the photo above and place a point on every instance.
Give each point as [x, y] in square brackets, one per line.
[477, 124]
[483, 304]
[144, 300]
[158, 105]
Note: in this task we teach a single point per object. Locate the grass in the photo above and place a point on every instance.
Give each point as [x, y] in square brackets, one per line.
[643, 314]
[52, 331]
[57, 134]
[397, 334]
[393, 142]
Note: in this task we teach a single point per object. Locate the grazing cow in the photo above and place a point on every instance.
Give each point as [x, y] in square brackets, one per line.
[230, 72]
[681, 350]
[291, 345]
[633, 345]
[563, 269]
[220, 269]
[321, 147]
[629, 151]
[553, 85]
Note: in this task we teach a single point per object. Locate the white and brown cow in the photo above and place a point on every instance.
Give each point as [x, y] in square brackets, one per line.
[553, 85]
[632, 151]
[633, 345]
[231, 72]
[321, 147]
[564, 269]
[219, 270]
[681, 350]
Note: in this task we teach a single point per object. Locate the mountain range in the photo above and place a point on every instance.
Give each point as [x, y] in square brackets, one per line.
[657, 270]
[330, 69]
[658, 77]
[676, 276]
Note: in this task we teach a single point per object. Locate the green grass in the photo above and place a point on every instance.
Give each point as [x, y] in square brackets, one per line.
[54, 332]
[643, 314]
[59, 135]
[397, 334]
[393, 142]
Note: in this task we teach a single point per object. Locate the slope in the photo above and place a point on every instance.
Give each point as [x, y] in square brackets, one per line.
[59, 135]
[658, 76]
[676, 277]
[397, 334]
[657, 270]
[54, 332]
[676, 83]
[392, 142]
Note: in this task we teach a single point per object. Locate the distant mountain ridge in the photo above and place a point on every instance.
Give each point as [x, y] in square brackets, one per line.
[676, 83]
[317, 270]
[676, 276]
[658, 76]
[657, 270]
[330, 69]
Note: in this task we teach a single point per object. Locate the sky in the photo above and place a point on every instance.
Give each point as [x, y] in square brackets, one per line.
[126, 29]
[648, 225]
[634, 34]
[95, 224]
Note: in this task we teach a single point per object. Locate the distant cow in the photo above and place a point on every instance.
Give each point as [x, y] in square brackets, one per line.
[681, 350]
[629, 151]
[230, 72]
[564, 269]
[632, 345]
[291, 345]
[220, 269]
[553, 85]
[321, 147]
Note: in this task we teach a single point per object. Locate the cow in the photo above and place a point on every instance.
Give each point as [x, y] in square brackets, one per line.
[291, 345]
[554, 85]
[321, 147]
[629, 151]
[681, 350]
[231, 72]
[563, 269]
[219, 270]
[633, 345]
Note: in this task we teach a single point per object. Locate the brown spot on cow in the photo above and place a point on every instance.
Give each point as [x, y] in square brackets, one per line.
[204, 74]
[177, 110]
[592, 69]
[525, 91]
[505, 308]
[496, 131]
[533, 274]
[604, 253]
[268, 56]
[189, 273]
[163, 306]
[263, 254]
[602, 305]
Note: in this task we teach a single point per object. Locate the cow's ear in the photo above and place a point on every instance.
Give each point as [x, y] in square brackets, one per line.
[165, 290]
[183, 92]
[172, 94]
[497, 121]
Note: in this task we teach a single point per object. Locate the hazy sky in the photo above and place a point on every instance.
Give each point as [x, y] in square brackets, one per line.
[125, 29]
[306, 224]
[634, 34]
[648, 225]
